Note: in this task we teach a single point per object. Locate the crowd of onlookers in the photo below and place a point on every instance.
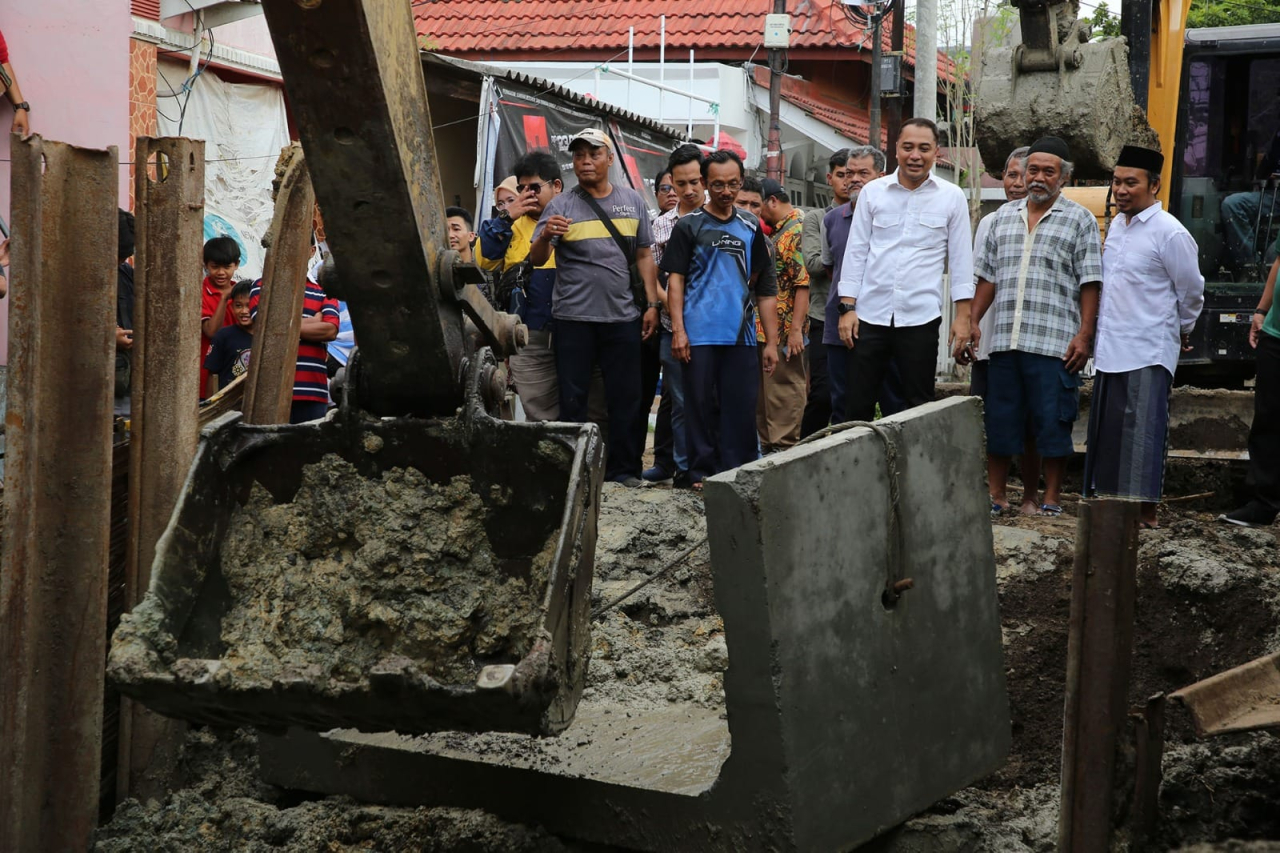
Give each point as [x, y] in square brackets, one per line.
[754, 324]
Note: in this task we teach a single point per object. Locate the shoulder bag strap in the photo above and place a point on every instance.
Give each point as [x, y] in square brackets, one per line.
[608, 224]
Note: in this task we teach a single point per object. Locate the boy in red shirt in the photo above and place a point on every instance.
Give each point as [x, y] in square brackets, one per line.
[221, 260]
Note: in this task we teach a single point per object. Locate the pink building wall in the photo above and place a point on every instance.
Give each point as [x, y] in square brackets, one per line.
[72, 61]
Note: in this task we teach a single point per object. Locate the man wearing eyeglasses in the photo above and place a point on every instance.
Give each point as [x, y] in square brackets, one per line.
[599, 232]
[719, 271]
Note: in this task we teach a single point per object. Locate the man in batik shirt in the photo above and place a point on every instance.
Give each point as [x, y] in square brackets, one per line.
[783, 392]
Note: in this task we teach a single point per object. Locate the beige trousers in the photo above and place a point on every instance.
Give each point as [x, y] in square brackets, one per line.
[780, 407]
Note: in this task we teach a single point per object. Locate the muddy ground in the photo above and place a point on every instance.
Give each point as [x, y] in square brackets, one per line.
[1209, 599]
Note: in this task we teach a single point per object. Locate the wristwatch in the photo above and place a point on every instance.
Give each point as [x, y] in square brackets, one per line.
[655, 305]
[1259, 311]
[845, 307]
[23, 106]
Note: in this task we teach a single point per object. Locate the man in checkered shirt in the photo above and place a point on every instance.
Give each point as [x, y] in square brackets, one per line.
[1040, 271]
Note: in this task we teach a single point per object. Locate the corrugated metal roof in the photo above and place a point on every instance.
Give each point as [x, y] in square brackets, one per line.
[545, 87]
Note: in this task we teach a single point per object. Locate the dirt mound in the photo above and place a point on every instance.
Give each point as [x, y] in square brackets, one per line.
[356, 570]
[665, 643]
[1208, 600]
[225, 807]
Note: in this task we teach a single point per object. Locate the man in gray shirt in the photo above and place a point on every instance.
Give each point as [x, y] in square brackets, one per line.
[817, 410]
[594, 310]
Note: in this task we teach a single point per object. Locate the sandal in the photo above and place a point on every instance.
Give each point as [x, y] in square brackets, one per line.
[697, 487]
[997, 510]
[1050, 510]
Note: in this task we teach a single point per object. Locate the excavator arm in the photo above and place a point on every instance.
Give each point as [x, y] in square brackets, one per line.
[1097, 95]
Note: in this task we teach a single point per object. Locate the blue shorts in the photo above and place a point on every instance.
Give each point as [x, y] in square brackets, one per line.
[1025, 389]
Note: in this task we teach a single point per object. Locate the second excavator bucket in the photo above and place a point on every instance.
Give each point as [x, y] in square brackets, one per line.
[1077, 90]
[402, 574]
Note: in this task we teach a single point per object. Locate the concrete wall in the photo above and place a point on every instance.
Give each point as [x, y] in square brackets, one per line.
[72, 61]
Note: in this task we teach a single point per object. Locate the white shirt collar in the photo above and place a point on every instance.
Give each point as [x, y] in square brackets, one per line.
[1146, 214]
[897, 182]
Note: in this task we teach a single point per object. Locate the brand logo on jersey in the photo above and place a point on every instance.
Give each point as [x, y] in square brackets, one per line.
[728, 242]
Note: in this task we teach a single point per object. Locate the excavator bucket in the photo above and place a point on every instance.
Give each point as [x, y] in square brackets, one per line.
[381, 574]
[1056, 83]
[413, 564]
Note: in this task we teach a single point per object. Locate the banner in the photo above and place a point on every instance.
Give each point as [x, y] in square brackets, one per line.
[524, 119]
[643, 153]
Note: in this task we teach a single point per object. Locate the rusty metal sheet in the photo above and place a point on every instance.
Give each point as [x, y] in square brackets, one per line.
[53, 598]
[1099, 655]
[354, 80]
[1239, 700]
[164, 424]
[268, 393]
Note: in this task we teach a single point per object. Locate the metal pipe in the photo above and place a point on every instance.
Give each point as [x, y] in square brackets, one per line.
[662, 63]
[689, 131]
[631, 62]
[608, 69]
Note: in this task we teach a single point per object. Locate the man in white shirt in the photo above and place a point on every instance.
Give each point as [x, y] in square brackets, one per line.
[1152, 293]
[907, 228]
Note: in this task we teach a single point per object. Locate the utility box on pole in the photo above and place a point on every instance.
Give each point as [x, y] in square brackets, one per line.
[777, 31]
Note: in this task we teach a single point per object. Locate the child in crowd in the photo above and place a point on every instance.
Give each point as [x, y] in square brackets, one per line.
[319, 327]
[221, 260]
[228, 357]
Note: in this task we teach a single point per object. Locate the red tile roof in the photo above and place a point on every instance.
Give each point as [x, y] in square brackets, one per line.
[850, 121]
[598, 29]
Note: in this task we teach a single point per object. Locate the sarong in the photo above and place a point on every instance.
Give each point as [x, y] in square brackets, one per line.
[1128, 434]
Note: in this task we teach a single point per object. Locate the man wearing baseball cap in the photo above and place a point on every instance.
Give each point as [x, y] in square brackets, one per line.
[602, 311]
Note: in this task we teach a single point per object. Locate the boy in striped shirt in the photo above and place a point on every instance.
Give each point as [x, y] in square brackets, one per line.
[319, 326]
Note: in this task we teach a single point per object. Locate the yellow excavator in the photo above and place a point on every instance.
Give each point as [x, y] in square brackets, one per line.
[1208, 98]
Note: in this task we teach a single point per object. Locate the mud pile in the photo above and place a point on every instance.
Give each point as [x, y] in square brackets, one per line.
[356, 570]
[226, 808]
[1209, 599]
[665, 643]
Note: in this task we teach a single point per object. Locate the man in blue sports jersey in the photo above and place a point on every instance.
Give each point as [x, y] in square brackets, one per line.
[719, 273]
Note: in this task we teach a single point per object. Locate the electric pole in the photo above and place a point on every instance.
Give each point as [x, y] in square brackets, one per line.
[777, 61]
[926, 97]
[876, 17]
[893, 115]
